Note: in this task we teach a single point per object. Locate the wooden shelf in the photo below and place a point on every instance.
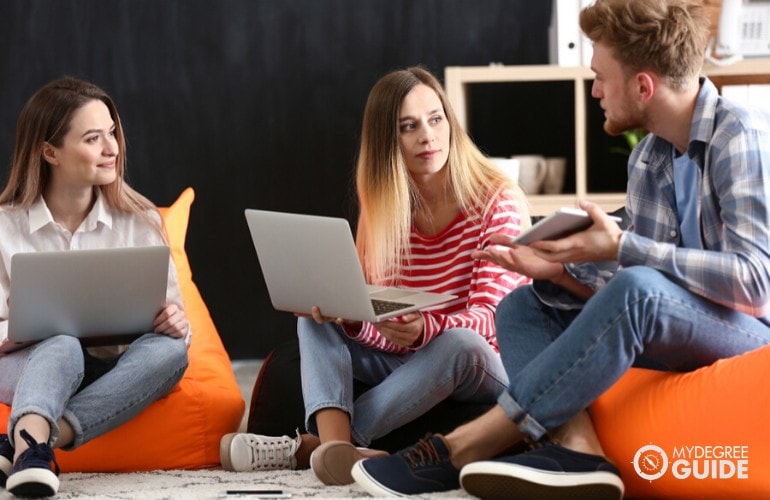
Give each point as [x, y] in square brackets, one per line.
[742, 68]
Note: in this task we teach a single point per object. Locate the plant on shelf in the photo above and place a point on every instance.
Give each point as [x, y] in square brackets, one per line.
[632, 139]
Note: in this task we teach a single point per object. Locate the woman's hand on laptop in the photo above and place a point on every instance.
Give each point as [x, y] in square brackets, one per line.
[404, 331]
[172, 321]
[320, 319]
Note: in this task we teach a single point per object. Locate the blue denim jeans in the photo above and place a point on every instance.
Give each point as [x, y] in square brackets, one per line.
[45, 379]
[459, 364]
[559, 361]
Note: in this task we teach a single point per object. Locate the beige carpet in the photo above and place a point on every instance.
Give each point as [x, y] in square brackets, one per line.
[206, 484]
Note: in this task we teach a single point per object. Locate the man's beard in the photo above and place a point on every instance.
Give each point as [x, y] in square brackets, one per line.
[615, 127]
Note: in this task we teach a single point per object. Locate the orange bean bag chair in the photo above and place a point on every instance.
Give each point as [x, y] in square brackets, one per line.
[701, 434]
[181, 430]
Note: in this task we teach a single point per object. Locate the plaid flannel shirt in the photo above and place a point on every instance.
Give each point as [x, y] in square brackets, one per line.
[731, 146]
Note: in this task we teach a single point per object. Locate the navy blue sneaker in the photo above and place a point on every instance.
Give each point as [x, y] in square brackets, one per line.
[422, 468]
[6, 459]
[548, 472]
[33, 476]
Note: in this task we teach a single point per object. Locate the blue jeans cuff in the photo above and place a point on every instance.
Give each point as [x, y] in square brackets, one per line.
[73, 421]
[520, 417]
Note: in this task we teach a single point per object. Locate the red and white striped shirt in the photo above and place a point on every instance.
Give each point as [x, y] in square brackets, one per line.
[442, 263]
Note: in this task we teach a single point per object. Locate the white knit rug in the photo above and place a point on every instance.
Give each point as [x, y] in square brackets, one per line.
[204, 484]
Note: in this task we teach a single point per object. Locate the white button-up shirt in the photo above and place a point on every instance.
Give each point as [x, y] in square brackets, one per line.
[34, 230]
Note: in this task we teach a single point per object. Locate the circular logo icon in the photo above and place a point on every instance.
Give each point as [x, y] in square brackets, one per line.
[650, 462]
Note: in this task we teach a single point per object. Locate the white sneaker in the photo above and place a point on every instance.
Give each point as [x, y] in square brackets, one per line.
[241, 452]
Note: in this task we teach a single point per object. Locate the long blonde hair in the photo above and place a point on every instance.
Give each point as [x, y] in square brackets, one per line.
[47, 117]
[388, 198]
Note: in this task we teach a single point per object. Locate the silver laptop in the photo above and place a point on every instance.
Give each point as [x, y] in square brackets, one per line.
[310, 260]
[104, 296]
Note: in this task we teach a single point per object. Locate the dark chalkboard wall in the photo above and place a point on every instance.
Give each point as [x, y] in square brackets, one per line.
[253, 103]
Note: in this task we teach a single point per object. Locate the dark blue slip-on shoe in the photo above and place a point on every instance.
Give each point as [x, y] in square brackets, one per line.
[6, 459]
[545, 473]
[35, 471]
[421, 468]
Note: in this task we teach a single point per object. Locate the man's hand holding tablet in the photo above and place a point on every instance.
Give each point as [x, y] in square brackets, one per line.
[565, 236]
[563, 222]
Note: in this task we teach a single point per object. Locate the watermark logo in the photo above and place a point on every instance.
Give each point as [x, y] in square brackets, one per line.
[651, 462]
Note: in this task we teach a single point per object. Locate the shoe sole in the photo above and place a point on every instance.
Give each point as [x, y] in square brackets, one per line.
[364, 480]
[224, 451]
[33, 483]
[501, 481]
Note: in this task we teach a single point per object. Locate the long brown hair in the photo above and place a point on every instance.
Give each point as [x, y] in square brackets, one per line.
[387, 195]
[46, 118]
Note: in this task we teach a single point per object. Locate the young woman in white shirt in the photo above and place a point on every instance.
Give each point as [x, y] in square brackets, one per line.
[66, 191]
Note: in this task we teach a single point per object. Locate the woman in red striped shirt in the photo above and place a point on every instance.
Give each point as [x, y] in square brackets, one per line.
[428, 198]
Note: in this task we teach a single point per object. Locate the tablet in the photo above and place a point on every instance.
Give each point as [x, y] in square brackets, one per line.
[562, 223]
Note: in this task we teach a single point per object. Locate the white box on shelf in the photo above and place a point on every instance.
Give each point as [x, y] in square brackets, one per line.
[564, 33]
[737, 93]
[759, 96]
[754, 95]
[586, 45]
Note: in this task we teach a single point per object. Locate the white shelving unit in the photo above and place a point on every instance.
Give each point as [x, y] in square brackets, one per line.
[457, 80]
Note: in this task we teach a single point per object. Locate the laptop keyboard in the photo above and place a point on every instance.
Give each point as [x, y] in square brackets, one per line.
[386, 306]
